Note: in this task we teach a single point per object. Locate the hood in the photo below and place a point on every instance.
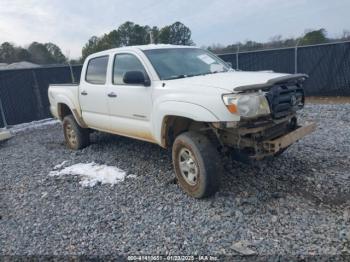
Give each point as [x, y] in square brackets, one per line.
[238, 81]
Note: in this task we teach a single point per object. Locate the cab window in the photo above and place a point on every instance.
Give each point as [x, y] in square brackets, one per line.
[96, 70]
[124, 63]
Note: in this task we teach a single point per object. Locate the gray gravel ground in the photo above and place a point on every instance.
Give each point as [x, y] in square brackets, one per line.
[296, 204]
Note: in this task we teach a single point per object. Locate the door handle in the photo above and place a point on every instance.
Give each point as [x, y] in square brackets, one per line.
[84, 93]
[112, 94]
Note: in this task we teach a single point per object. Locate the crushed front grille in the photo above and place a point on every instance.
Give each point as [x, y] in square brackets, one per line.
[285, 100]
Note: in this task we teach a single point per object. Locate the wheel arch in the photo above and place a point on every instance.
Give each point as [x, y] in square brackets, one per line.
[63, 110]
[181, 115]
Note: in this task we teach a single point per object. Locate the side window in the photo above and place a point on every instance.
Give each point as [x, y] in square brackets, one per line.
[124, 63]
[96, 70]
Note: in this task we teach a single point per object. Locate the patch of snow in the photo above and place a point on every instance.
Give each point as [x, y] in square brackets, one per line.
[91, 173]
[4, 134]
[59, 166]
[33, 125]
[132, 176]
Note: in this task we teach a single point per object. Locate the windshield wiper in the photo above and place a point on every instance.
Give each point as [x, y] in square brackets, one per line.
[215, 72]
[181, 76]
[175, 77]
[191, 75]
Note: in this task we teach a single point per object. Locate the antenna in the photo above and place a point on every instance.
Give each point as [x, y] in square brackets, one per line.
[70, 66]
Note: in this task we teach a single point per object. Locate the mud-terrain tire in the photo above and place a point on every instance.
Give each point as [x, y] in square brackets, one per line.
[76, 136]
[197, 164]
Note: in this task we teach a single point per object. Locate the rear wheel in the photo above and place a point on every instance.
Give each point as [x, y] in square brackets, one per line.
[76, 136]
[197, 164]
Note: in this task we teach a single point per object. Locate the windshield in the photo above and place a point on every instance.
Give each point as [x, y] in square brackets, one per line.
[173, 63]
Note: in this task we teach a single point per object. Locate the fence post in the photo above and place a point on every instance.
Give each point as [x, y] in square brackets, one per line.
[237, 59]
[296, 59]
[38, 97]
[3, 114]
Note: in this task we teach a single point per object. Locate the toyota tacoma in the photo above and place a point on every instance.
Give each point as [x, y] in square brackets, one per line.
[186, 99]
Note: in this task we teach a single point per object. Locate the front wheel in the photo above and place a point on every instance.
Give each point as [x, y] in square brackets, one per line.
[197, 164]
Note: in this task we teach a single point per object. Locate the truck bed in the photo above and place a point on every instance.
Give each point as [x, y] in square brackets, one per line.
[67, 92]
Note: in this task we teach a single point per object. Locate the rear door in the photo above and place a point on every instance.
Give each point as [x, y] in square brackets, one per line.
[130, 105]
[93, 93]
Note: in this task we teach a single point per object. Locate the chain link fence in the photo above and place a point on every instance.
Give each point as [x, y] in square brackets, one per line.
[23, 92]
[328, 65]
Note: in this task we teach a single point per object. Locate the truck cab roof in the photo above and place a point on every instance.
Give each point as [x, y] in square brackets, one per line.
[139, 47]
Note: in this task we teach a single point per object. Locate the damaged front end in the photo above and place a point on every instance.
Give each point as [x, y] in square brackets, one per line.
[263, 136]
[267, 139]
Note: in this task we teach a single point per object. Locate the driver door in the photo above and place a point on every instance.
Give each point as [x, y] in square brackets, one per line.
[129, 105]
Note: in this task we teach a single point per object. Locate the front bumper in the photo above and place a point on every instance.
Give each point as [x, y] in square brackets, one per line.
[263, 138]
[280, 143]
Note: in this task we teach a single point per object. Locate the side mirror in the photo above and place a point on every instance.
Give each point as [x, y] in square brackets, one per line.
[136, 77]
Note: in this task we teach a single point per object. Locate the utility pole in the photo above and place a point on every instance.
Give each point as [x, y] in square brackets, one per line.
[151, 40]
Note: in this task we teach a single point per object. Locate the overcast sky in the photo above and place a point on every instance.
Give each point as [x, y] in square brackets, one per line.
[70, 23]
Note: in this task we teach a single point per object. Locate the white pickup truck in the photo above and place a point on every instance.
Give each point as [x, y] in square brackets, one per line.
[183, 98]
